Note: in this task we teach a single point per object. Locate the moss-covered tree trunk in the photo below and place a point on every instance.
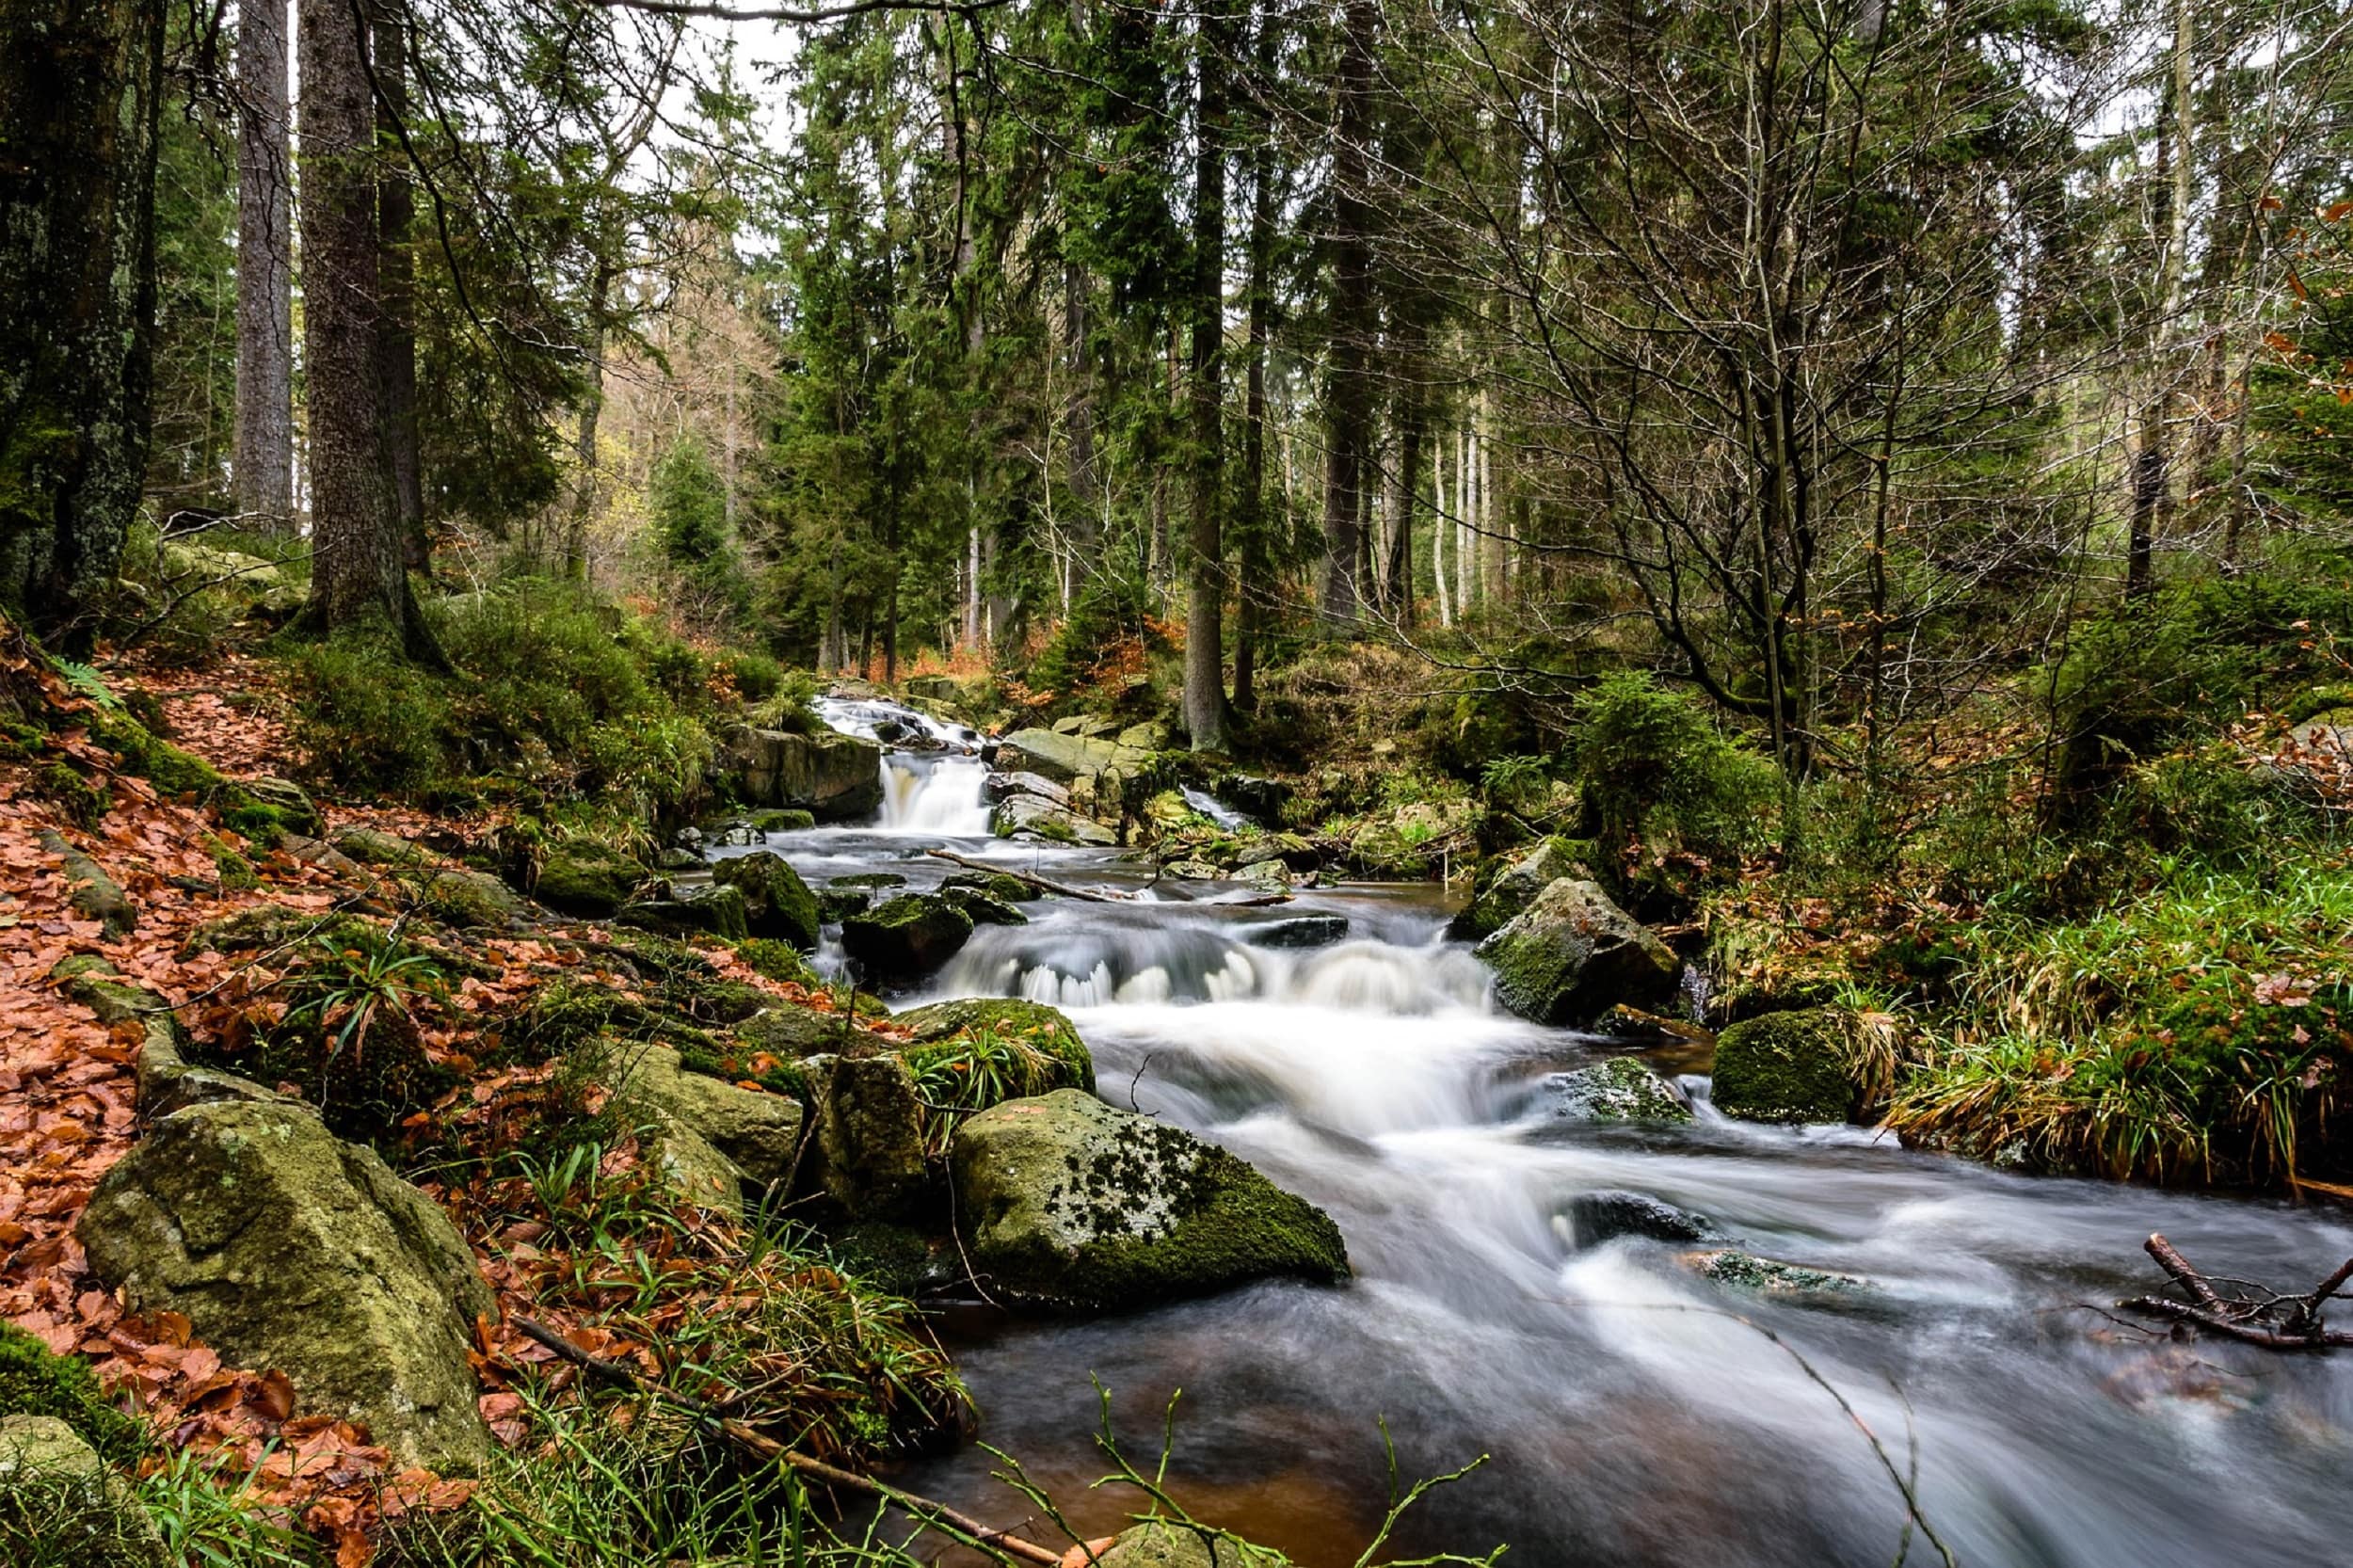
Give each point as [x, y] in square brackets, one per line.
[81, 84]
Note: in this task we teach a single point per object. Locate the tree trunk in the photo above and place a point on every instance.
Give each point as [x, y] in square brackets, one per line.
[1205, 603]
[1251, 515]
[396, 319]
[584, 431]
[261, 457]
[81, 86]
[356, 568]
[1348, 400]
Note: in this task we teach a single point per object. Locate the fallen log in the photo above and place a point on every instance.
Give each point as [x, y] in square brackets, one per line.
[753, 1441]
[1058, 889]
[2252, 1315]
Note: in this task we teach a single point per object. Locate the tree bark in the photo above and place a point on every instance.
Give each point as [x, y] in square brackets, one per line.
[1348, 399]
[356, 567]
[1205, 605]
[397, 321]
[262, 456]
[81, 88]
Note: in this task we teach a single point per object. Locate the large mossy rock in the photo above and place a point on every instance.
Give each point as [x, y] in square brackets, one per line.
[830, 776]
[61, 1507]
[1043, 819]
[1503, 889]
[757, 1131]
[587, 880]
[714, 909]
[1033, 1024]
[1067, 1204]
[874, 1149]
[1572, 954]
[291, 1250]
[776, 903]
[905, 937]
[1793, 1066]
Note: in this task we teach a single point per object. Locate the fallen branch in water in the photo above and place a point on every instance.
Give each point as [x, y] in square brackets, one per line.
[939, 1516]
[1028, 878]
[2250, 1314]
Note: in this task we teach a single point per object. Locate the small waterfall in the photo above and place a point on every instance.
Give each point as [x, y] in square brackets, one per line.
[1215, 809]
[940, 795]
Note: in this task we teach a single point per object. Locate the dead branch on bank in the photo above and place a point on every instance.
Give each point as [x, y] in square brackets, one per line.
[2249, 1313]
[939, 1516]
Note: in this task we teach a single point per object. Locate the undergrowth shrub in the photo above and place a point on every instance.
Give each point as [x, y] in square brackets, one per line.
[35, 1380]
[1657, 770]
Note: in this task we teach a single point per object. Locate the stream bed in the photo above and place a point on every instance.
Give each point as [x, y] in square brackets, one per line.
[1631, 1412]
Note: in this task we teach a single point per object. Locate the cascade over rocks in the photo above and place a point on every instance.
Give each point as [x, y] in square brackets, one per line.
[1066, 1204]
[832, 775]
[776, 903]
[292, 1250]
[1572, 954]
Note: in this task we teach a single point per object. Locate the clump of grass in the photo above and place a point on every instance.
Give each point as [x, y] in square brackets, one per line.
[973, 1070]
[2196, 1032]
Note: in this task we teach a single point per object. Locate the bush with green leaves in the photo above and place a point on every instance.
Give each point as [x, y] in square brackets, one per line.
[1656, 769]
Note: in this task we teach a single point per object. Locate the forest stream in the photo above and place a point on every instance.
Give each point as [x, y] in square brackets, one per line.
[1633, 1413]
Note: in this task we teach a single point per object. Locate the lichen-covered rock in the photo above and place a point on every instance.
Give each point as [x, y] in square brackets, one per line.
[290, 1249]
[1767, 1276]
[60, 1506]
[905, 937]
[757, 1130]
[1032, 1023]
[714, 909]
[1621, 1089]
[873, 1157]
[285, 805]
[372, 846]
[1597, 1217]
[89, 891]
[461, 897]
[1502, 890]
[167, 1080]
[587, 880]
[831, 775]
[1793, 1066]
[1065, 1203]
[1064, 758]
[776, 903]
[791, 1033]
[1571, 955]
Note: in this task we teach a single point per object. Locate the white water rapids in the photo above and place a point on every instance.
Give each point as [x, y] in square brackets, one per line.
[1635, 1413]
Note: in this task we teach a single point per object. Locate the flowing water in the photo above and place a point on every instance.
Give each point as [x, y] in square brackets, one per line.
[1633, 1413]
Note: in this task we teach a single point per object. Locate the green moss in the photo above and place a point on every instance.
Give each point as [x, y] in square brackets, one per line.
[776, 903]
[1766, 1277]
[782, 820]
[236, 873]
[778, 961]
[82, 800]
[1794, 1067]
[172, 771]
[35, 1380]
[587, 880]
[890, 1259]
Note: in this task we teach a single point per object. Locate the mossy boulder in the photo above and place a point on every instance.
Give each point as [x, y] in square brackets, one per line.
[34, 1380]
[776, 903]
[288, 1248]
[783, 820]
[62, 1506]
[872, 1136]
[997, 884]
[373, 846]
[167, 1080]
[1503, 888]
[587, 880]
[905, 937]
[832, 777]
[1159, 1544]
[757, 1130]
[261, 809]
[1572, 954]
[1602, 1216]
[1066, 1204]
[1033, 1024]
[985, 909]
[713, 910]
[1621, 1089]
[1793, 1066]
